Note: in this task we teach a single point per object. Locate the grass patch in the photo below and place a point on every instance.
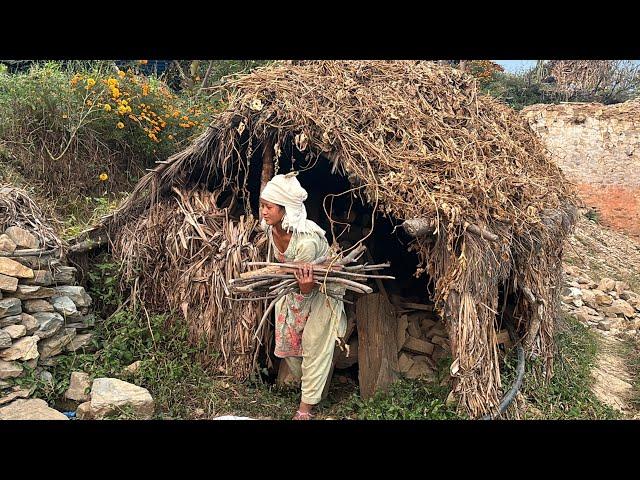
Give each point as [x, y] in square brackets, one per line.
[630, 351]
[568, 395]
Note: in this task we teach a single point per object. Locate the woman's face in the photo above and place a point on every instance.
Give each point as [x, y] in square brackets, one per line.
[271, 212]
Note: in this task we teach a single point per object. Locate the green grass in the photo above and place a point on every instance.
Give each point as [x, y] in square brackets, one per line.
[568, 395]
[630, 351]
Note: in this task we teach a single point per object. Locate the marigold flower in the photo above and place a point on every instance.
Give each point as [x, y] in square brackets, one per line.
[115, 92]
[104, 177]
[122, 109]
[107, 107]
[121, 74]
[120, 125]
[143, 62]
[170, 137]
[90, 82]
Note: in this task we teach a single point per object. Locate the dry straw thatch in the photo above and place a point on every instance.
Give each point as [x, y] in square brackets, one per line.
[416, 140]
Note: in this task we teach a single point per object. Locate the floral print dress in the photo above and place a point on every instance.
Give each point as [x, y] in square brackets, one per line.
[294, 309]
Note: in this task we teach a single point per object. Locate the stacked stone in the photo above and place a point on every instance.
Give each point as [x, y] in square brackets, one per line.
[42, 312]
[609, 305]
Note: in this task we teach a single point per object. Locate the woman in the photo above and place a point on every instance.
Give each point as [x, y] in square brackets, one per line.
[307, 323]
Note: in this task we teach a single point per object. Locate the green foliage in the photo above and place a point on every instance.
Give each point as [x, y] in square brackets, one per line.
[88, 130]
[568, 395]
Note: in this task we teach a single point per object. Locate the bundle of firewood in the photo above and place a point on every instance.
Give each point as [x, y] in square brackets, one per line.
[333, 275]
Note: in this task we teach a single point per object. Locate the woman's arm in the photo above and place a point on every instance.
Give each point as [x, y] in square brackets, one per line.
[305, 252]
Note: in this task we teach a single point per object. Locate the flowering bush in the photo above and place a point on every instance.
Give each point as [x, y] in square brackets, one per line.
[92, 129]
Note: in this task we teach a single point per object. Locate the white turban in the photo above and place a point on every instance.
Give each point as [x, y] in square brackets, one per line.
[286, 190]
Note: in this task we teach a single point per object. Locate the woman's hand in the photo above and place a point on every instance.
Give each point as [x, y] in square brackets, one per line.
[304, 275]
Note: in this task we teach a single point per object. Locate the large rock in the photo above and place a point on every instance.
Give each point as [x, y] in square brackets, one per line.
[30, 323]
[35, 306]
[10, 369]
[80, 341]
[10, 307]
[6, 244]
[12, 320]
[15, 331]
[76, 293]
[48, 323]
[16, 393]
[621, 287]
[5, 339]
[607, 284]
[602, 298]
[65, 306]
[40, 277]
[22, 238]
[110, 395]
[589, 298]
[84, 412]
[7, 283]
[63, 275]
[25, 348]
[33, 409]
[30, 292]
[14, 269]
[53, 346]
[79, 387]
[622, 307]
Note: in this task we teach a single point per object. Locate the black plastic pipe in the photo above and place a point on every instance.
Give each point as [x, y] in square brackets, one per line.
[510, 395]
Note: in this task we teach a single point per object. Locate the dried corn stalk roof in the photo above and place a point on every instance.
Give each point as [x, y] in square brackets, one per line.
[418, 135]
[419, 141]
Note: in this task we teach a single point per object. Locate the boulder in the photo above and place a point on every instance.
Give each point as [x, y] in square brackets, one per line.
[16, 393]
[7, 283]
[48, 323]
[25, 348]
[577, 302]
[63, 275]
[602, 298]
[22, 238]
[607, 284]
[110, 395]
[79, 387]
[32, 409]
[76, 293]
[5, 339]
[620, 306]
[15, 331]
[574, 292]
[30, 292]
[133, 368]
[14, 269]
[6, 244]
[40, 277]
[12, 320]
[589, 298]
[35, 306]
[84, 412]
[53, 345]
[30, 323]
[80, 341]
[10, 369]
[10, 307]
[65, 306]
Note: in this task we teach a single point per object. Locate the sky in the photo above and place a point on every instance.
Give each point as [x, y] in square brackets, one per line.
[517, 66]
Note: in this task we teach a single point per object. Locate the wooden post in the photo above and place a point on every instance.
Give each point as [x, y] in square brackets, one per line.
[267, 165]
[377, 348]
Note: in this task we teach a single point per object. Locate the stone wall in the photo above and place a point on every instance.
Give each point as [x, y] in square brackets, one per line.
[42, 312]
[598, 148]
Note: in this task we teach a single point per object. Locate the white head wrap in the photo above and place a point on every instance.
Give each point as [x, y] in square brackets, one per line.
[286, 190]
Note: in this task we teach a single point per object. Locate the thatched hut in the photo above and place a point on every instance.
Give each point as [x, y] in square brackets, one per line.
[378, 144]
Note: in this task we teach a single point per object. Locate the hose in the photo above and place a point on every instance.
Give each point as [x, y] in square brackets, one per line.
[510, 395]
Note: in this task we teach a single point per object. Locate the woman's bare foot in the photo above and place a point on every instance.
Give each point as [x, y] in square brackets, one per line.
[304, 412]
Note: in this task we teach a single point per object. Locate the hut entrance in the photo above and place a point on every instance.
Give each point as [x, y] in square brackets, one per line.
[393, 332]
